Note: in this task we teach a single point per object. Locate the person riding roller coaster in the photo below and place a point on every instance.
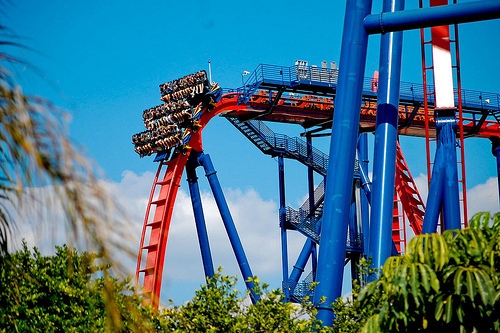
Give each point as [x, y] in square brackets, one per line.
[185, 101]
[197, 80]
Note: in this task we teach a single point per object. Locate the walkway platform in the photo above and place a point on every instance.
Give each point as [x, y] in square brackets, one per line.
[305, 95]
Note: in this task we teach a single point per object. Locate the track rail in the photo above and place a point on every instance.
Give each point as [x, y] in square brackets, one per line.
[153, 244]
[155, 229]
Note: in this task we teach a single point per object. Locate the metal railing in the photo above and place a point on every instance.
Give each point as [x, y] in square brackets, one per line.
[319, 194]
[303, 222]
[303, 289]
[312, 75]
[295, 147]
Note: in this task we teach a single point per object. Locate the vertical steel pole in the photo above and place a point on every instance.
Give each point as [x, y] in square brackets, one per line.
[314, 260]
[386, 132]
[282, 217]
[443, 189]
[341, 168]
[312, 200]
[365, 199]
[495, 150]
[310, 175]
[199, 219]
[206, 162]
[354, 237]
[451, 198]
[352, 234]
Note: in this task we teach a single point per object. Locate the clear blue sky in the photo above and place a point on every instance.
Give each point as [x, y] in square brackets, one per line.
[103, 62]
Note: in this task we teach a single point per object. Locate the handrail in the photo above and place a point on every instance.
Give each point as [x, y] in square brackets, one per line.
[293, 146]
[299, 74]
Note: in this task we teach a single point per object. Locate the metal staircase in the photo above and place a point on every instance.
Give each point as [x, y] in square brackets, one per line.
[302, 289]
[305, 222]
[257, 132]
[274, 144]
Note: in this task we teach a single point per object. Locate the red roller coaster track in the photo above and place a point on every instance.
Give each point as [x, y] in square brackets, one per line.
[160, 207]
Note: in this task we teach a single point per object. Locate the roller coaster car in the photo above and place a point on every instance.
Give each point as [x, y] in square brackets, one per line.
[209, 97]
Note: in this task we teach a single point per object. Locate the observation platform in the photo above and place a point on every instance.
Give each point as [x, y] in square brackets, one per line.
[305, 95]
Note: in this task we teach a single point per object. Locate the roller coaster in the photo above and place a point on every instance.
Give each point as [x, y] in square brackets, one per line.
[312, 97]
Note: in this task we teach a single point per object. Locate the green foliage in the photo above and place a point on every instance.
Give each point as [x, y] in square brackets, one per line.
[218, 307]
[447, 282]
[72, 292]
[67, 292]
[350, 314]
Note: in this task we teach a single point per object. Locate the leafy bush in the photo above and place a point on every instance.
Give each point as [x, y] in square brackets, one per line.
[67, 292]
[447, 282]
[218, 307]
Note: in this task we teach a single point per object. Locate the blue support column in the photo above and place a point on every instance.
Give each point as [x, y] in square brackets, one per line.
[386, 132]
[443, 189]
[341, 168]
[199, 218]
[282, 217]
[353, 224]
[365, 184]
[451, 197]
[310, 175]
[495, 150]
[206, 162]
[354, 237]
[314, 260]
[312, 202]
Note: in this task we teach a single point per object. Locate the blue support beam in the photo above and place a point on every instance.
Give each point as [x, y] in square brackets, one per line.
[340, 171]
[432, 16]
[312, 201]
[451, 197]
[353, 233]
[310, 174]
[366, 185]
[443, 189]
[354, 236]
[199, 218]
[386, 132]
[434, 198]
[495, 150]
[227, 219]
[282, 217]
[301, 262]
[314, 260]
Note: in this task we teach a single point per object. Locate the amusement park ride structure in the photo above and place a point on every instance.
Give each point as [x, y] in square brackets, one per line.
[346, 216]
